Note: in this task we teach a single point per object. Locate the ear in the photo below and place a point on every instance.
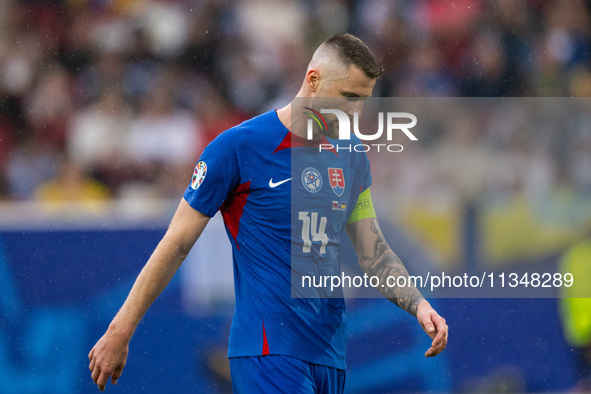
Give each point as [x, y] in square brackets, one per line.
[313, 79]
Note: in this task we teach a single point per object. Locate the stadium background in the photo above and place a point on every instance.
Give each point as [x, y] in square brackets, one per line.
[105, 106]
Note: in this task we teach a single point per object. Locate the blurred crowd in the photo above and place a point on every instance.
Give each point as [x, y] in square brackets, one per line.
[488, 149]
[111, 99]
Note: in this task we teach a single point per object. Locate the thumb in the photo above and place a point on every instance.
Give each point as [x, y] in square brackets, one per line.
[428, 326]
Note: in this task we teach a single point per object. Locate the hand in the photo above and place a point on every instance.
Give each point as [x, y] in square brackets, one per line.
[108, 358]
[434, 325]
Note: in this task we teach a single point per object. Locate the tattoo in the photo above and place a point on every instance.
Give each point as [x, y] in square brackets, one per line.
[374, 226]
[380, 242]
[384, 264]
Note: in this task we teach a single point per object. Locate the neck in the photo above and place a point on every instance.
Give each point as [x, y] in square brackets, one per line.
[284, 115]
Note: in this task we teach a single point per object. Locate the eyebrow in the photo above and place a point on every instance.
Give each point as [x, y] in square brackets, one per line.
[345, 93]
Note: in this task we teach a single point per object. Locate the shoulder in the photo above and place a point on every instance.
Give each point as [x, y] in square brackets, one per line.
[260, 123]
[256, 129]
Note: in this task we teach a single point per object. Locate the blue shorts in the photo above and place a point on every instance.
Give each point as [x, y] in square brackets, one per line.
[284, 374]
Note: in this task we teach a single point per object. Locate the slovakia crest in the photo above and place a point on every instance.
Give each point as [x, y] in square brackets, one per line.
[312, 180]
[337, 180]
[198, 175]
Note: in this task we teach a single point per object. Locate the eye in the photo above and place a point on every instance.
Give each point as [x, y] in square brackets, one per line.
[353, 99]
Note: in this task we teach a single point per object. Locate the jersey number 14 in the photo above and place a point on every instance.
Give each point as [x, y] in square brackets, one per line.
[312, 231]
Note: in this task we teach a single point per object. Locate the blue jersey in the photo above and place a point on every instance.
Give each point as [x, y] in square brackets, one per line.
[281, 200]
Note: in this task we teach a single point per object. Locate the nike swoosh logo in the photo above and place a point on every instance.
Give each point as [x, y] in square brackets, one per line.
[275, 184]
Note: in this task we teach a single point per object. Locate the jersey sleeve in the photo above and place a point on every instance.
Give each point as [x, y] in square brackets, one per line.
[364, 173]
[216, 174]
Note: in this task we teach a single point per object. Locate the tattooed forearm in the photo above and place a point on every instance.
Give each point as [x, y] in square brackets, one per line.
[383, 263]
[380, 242]
[388, 265]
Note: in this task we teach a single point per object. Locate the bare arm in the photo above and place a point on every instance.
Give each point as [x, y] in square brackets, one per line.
[376, 258]
[109, 355]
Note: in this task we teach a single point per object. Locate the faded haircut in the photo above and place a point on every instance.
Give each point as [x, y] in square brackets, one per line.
[352, 51]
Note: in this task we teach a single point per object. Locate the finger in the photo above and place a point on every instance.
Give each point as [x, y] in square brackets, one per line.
[91, 354]
[435, 350]
[102, 380]
[437, 346]
[440, 337]
[432, 352]
[428, 325]
[117, 374]
[439, 323]
[96, 372]
[440, 340]
[430, 328]
[91, 366]
[440, 328]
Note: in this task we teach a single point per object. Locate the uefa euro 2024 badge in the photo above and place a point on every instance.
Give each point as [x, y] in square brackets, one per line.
[312, 180]
[198, 175]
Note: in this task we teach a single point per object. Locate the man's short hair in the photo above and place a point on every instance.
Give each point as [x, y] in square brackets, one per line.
[353, 51]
